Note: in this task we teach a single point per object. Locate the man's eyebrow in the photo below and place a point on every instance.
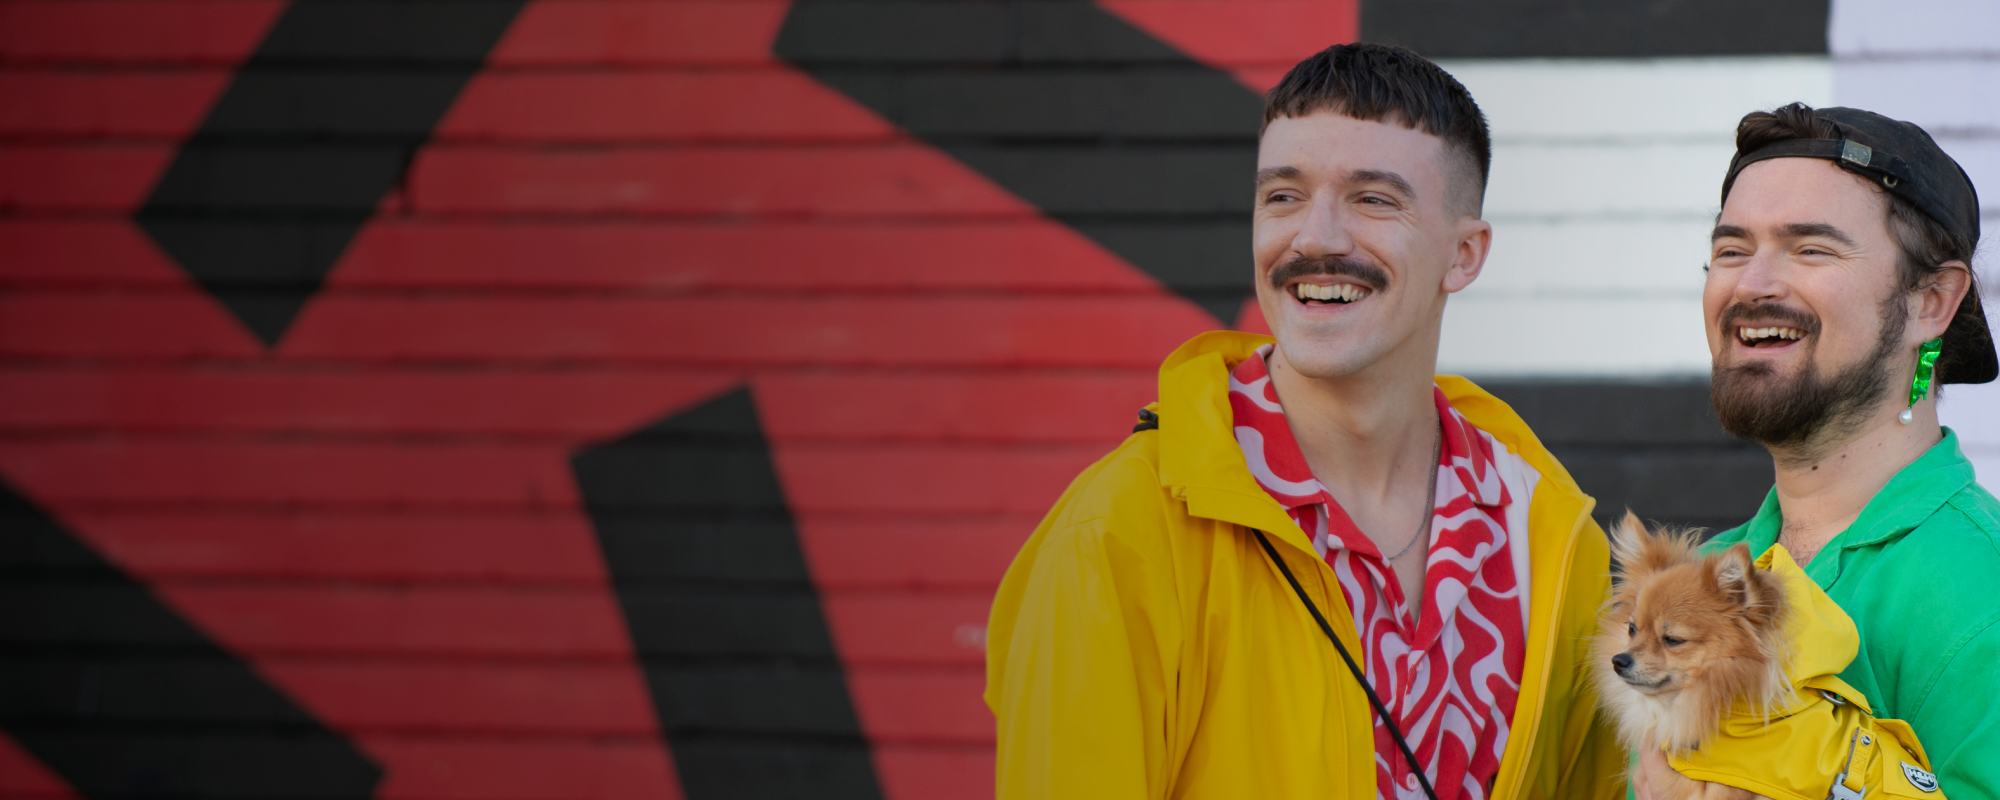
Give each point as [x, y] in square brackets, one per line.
[1269, 174]
[1802, 230]
[1796, 230]
[1392, 180]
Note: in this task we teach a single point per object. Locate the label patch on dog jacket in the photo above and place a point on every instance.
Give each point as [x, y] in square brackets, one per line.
[1919, 778]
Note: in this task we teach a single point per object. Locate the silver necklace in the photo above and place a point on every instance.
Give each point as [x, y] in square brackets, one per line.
[1430, 502]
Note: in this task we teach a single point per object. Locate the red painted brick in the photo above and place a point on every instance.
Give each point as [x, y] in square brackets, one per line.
[531, 551]
[428, 767]
[735, 332]
[728, 182]
[963, 772]
[658, 257]
[213, 32]
[927, 479]
[922, 705]
[83, 252]
[105, 178]
[774, 105]
[642, 32]
[1247, 42]
[171, 325]
[809, 406]
[24, 777]
[119, 104]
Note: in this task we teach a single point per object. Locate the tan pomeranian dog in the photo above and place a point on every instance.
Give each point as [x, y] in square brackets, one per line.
[1686, 638]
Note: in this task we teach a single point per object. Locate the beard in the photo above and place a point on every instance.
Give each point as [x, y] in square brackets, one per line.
[1754, 403]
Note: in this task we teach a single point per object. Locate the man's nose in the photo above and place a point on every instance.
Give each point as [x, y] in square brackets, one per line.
[1621, 663]
[1762, 279]
[1324, 231]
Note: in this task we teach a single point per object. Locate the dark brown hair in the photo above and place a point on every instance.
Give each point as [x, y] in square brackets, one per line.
[1923, 244]
[1386, 83]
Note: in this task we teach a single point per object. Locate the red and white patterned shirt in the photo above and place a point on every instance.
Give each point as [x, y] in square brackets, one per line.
[1452, 676]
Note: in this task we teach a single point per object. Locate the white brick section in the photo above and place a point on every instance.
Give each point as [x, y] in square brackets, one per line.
[1610, 336]
[1937, 64]
[1635, 99]
[1604, 187]
[1862, 29]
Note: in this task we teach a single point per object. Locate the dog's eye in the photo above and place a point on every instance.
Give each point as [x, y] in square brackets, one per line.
[1631, 629]
[1673, 641]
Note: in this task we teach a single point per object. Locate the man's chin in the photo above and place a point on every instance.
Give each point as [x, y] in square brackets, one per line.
[1322, 355]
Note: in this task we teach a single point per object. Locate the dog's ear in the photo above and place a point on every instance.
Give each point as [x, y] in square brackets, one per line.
[1759, 593]
[1633, 547]
[1640, 551]
[1733, 574]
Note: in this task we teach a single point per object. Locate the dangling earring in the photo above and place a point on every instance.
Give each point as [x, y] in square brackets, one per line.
[1920, 384]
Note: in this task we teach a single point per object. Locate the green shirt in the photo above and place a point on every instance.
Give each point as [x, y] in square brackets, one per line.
[1919, 571]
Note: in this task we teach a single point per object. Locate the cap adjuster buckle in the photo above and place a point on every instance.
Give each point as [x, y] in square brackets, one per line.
[1856, 153]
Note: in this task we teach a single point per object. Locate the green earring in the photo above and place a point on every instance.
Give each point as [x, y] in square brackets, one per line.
[1920, 384]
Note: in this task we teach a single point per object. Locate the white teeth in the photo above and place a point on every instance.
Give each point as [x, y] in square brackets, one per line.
[1755, 334]
[1344, 292]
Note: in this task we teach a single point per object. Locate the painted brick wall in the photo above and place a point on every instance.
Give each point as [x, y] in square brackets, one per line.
[640, 398]
[573, 399]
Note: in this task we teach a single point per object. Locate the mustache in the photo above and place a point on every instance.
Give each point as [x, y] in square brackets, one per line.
[1372, 276]
[1783, 315]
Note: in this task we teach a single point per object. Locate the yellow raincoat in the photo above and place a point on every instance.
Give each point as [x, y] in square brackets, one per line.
[1826, 731]
[1143, 646]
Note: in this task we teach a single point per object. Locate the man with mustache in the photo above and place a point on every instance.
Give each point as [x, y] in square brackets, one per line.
[1839, 299]
[1316, 569]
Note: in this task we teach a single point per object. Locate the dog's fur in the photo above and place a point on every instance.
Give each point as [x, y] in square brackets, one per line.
[1702, 633]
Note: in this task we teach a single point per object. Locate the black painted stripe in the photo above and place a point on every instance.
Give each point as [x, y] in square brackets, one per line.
[306, 141]
[1566, 28]
[1086, 164]
[69, 622]
[721, 608]
[1653, 446]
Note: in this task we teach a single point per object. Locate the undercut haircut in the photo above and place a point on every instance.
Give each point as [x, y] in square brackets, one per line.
[1393, 85]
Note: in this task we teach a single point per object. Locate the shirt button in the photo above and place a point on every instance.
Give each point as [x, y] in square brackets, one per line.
[1410, 781]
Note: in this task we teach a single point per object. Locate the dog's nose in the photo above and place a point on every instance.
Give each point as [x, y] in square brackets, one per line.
[1621, 663]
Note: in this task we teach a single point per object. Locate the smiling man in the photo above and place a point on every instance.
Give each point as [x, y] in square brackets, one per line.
[1316, 569]
[1839, 298]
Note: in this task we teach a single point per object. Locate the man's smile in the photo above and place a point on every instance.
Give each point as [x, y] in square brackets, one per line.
[1324, 293]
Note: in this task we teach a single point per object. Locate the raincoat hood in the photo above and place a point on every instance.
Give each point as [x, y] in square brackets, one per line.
[1824, 733]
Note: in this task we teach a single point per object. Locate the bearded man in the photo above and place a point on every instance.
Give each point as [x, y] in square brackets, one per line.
[1839, 297]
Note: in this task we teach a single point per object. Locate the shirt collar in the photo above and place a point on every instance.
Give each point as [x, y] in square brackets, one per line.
[1915, 493]
[1463, 452]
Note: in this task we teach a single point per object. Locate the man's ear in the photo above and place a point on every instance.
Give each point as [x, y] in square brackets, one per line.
[1936, 302]
[1475, 238]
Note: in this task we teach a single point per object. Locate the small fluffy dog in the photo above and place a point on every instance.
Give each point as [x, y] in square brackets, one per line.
[1685, 638]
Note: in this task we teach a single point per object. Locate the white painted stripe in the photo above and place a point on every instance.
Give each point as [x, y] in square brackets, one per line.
[1890, 28]
[1559, 336]
[1639, 100]
[1596, 257]
[1608, 181]
[1912, 90]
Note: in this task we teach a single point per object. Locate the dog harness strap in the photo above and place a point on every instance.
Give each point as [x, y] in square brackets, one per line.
[1840, 791]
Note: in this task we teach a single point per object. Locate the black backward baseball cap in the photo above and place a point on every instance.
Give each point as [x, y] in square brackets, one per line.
[1904, 160]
